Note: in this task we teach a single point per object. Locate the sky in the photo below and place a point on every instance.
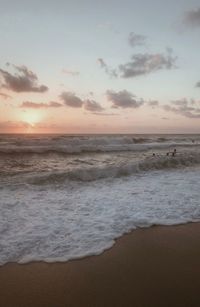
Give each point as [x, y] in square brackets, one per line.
[100, 66]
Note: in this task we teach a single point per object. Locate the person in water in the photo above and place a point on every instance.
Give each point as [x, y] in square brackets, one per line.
[174, 153]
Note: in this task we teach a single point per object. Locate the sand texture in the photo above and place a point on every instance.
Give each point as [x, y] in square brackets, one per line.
[154, 267]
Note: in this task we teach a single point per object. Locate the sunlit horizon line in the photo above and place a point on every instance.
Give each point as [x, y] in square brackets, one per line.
[98, 133]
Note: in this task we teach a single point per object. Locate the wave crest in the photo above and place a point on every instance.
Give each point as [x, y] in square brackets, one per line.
[95, 173]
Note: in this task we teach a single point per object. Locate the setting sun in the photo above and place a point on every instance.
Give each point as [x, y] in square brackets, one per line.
[31, 117]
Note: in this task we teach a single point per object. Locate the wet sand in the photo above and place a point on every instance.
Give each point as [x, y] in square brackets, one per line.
[154, 267]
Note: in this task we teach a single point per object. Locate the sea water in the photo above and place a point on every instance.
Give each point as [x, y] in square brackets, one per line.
[68, 196]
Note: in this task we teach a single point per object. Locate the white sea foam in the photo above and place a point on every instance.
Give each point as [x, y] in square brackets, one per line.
[68, 222]
[65, 197]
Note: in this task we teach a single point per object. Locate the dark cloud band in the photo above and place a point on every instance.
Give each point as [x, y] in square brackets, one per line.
[184, 107]
[123, 99]
[23, 80]
[192, 18]
[41, 105]
[142, 64]
[71, 100]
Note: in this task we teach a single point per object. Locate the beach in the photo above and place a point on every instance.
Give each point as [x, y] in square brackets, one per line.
[99, 153]
[158, 266]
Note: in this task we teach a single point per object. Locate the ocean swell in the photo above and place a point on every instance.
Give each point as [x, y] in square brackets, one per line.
[78, 149]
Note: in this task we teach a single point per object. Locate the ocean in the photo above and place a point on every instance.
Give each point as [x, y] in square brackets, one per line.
[68, 196]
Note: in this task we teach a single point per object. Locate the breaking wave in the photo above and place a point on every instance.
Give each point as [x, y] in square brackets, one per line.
[116, 171]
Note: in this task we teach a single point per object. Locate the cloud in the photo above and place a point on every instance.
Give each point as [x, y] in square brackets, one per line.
[41, 105]
[136, 39]
[71, 72]
[93, 106]
[123, 99]
[23, 80]
[198, 84]
[184, 107]
[165, 118]
[71, 100]
[142, 64]
[5, 96]
[192, 18]
[109, 71]
[153, 103]
[182, 102]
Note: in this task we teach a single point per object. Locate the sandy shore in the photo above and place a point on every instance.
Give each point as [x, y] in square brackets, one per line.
[159, 266]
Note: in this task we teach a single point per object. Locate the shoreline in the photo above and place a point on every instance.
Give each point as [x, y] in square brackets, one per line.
[156, 266]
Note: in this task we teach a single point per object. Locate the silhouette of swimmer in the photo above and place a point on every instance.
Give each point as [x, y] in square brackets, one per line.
[153, 155]
[174, 153]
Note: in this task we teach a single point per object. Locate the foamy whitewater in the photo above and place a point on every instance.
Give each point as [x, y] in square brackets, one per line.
[67, 196]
